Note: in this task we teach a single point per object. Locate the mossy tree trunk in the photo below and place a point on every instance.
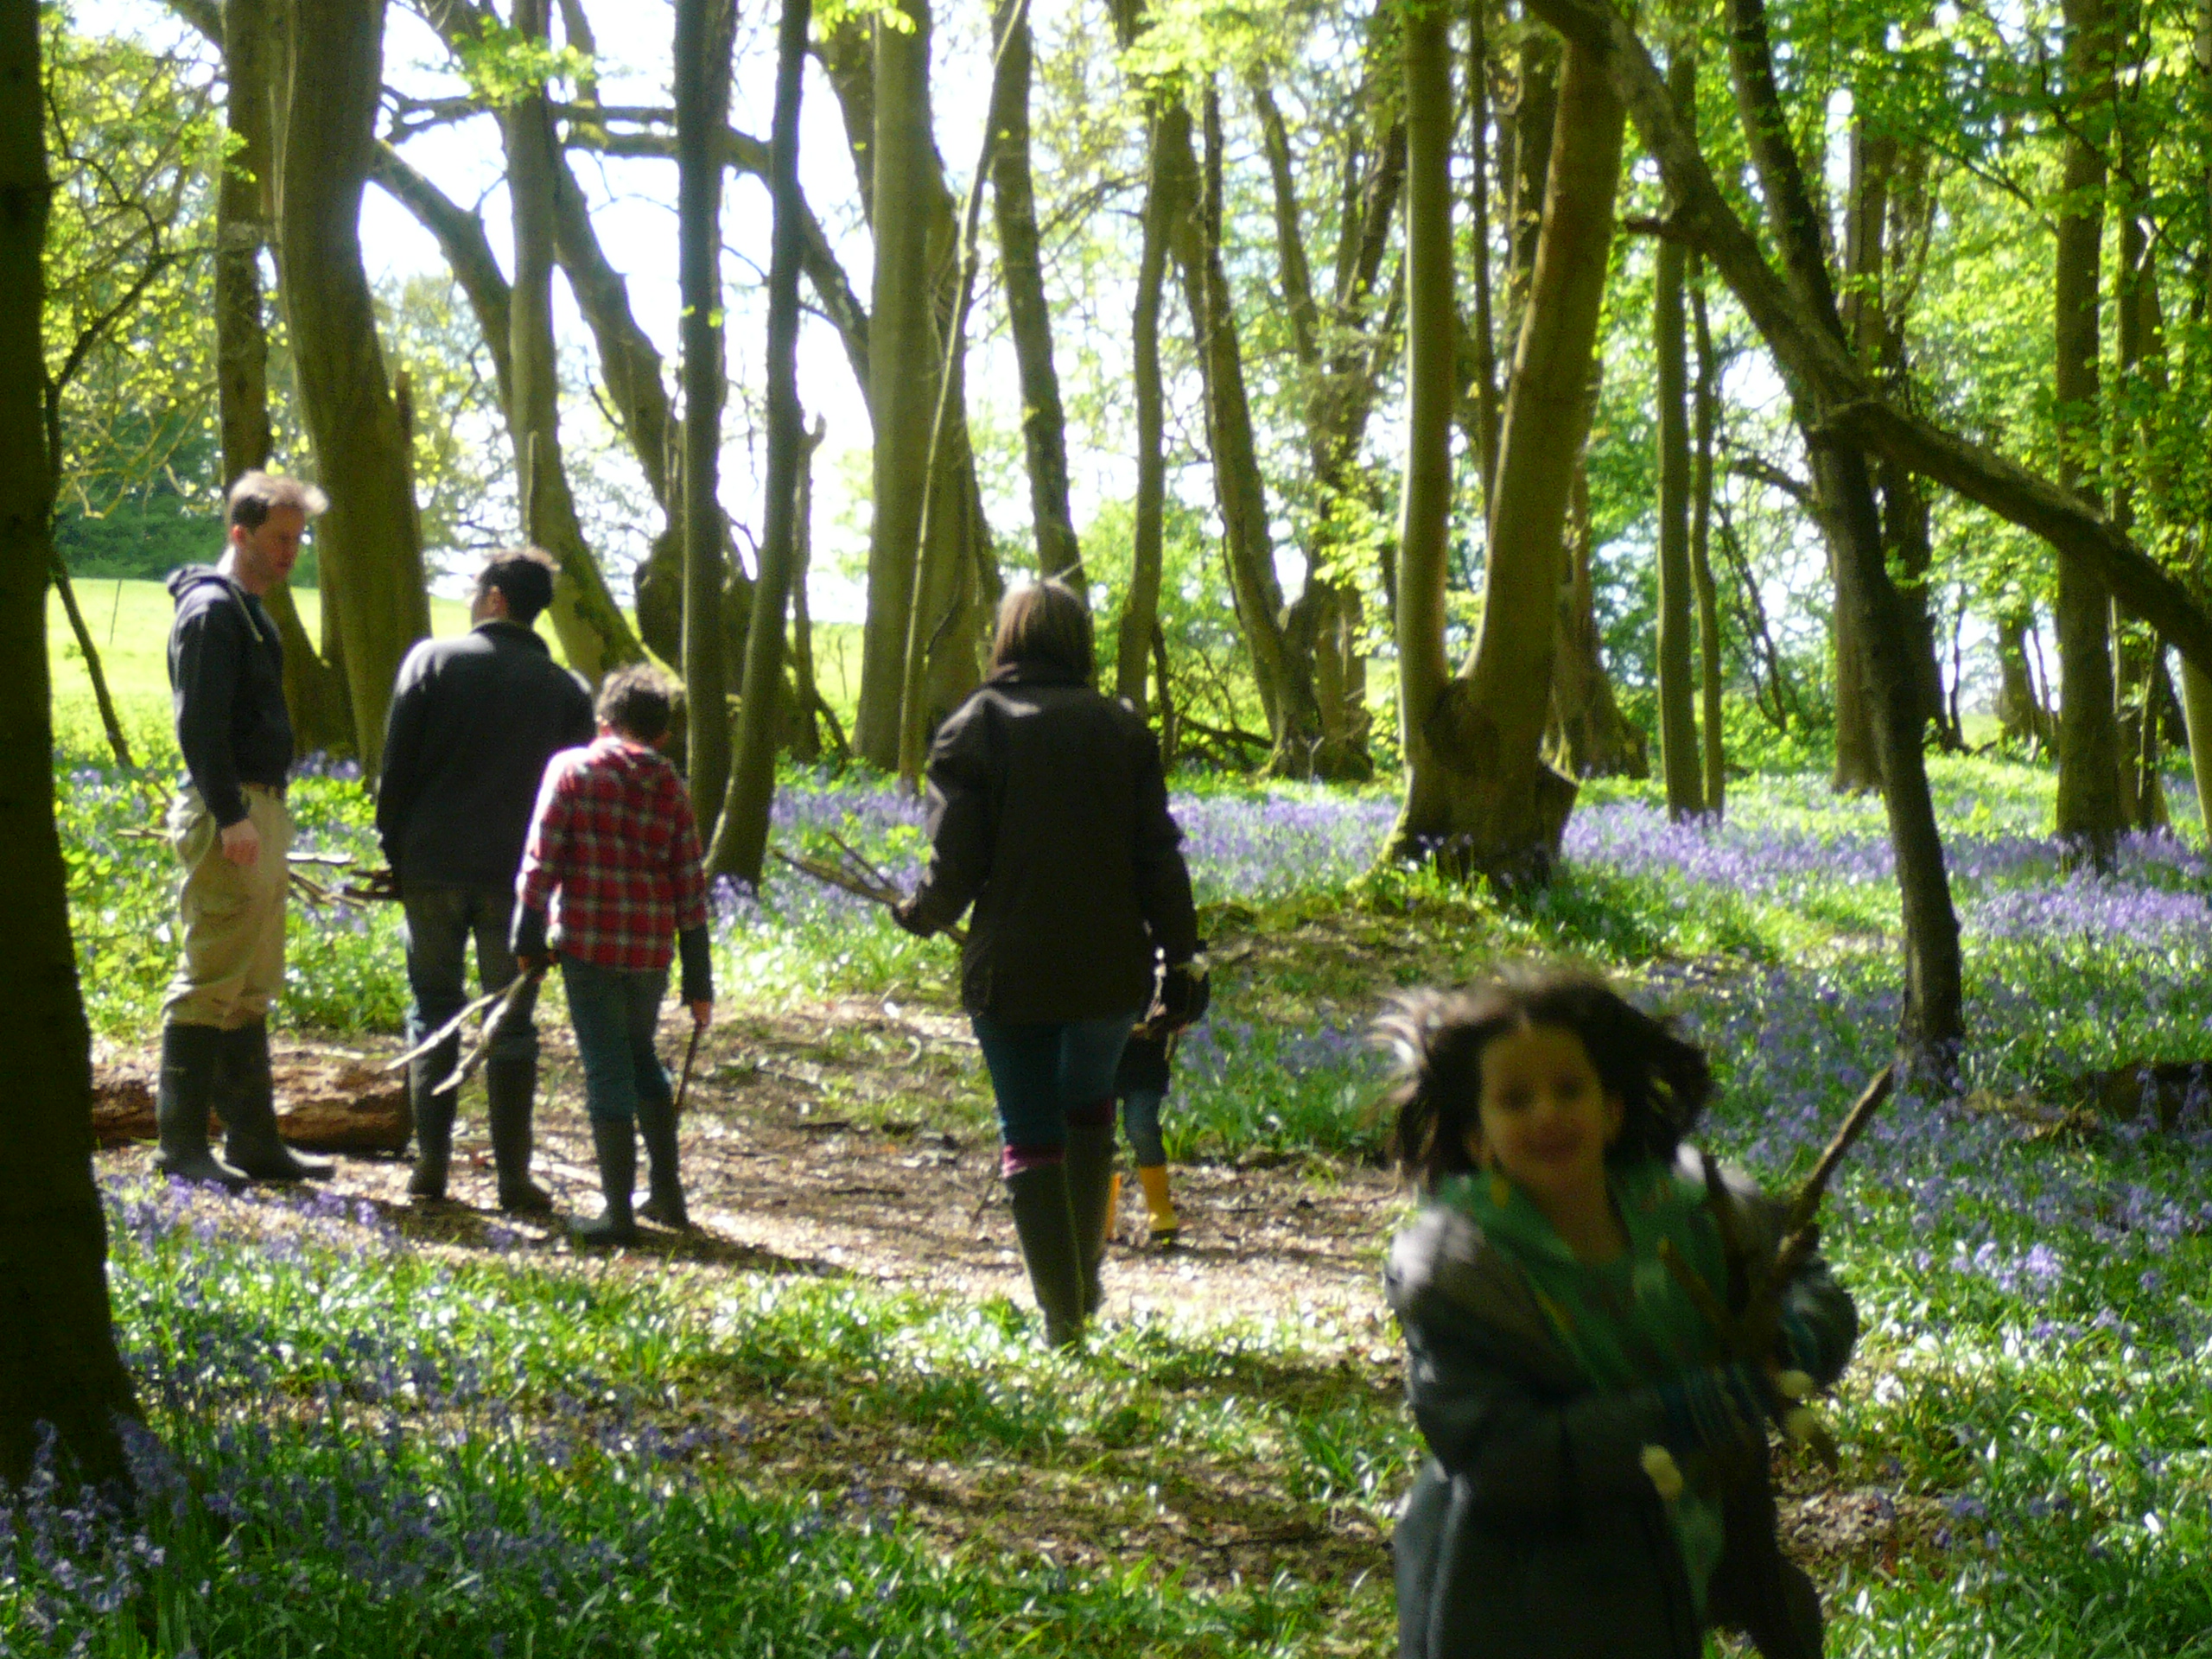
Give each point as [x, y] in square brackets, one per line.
[369, 542]
[1678, 746]
[1479, 796]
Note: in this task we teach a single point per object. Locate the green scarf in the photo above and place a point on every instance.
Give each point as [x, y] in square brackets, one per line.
[1627, 1323]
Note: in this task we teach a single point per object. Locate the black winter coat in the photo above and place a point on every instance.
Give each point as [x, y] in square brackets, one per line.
[226, 682]
[1048, 811]
[1533, 1532]
[473, 722]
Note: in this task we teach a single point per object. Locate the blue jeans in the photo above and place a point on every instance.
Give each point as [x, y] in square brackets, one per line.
[614, 1011]
[1042, 1073]
[440, 922]
[1141, 1117]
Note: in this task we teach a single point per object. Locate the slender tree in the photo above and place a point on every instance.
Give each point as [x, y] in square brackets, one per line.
[1044, 425]
[702, 72]
[58, 1359]
[741, 845]
[1678, 745]
[1705, 399]
[1140, 601]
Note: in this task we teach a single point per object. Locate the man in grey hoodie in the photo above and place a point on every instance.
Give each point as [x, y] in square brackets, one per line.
[230, 832]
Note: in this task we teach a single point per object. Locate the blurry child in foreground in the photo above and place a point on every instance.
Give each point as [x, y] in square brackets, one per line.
[1597, 1480]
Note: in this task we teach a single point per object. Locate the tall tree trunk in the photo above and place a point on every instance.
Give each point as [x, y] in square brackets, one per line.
[323, 717]
[1479, 372]
[1044, 426]
[593, 632]
[1705, 399]
[57, 1360]
[2020, 713]
[1479, 795]
[806, 738]
[1933, 1026]
[902, 352]
[1678, 745]
[370, 543]
[740, 847]
[1424, 512]
[1140, 604]
[702, 74]
[2089, 817]
[1286, 683]
[1588, 735]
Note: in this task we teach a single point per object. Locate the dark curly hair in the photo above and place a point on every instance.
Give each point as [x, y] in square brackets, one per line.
[1438, 1038]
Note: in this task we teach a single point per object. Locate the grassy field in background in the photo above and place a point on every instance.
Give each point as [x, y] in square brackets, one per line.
[130, 623]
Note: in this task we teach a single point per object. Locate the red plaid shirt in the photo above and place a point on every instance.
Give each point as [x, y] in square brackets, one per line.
[613, 856]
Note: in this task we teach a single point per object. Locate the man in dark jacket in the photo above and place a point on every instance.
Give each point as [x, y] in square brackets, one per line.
[473, 721]
[230, 832]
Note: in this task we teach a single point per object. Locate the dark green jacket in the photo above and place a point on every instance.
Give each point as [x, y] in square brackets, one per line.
[1533, 1532]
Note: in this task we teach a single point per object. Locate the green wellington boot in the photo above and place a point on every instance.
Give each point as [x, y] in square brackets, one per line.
[189, 1055]
[246, 1089]
[510, 1093]
[1091, 1197]
[615, 1141]
[1045, 1225]
[434, 1115]
[657, 1126]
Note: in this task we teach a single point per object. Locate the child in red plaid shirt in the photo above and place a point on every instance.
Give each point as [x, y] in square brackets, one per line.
[610, 876]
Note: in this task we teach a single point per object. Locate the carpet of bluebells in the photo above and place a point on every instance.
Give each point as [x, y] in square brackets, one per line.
[454, 1453]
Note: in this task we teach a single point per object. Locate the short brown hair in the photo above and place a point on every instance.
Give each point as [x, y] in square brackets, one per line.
[524, 575]
[257, 495]
[1044, 625]
[637, 702]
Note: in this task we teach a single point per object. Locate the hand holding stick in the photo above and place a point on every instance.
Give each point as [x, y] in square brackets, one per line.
[1750, 1335]
[448, 1028]
[859, 877]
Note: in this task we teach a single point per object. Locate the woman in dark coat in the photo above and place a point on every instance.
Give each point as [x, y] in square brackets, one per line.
[1048, 812]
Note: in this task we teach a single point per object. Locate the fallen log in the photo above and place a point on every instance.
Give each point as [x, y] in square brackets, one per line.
[327, 1100]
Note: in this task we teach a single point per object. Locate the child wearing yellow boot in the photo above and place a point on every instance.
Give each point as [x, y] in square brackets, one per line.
[1141, 1083]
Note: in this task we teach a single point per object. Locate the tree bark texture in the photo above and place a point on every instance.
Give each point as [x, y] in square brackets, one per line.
[740, 846]
[1479, 372]
[593, 632]
[2089, 815]
[1479, 794]
[1044, 426]
[1588, 736]
[1815, 363]
[1678, 745]
[1425, 509]
[58, 1359]
[1705, 402]
[370, 543]
[1140, 604]
[322, 715]
[702, 74]
[1933, 1026]
[806, 740]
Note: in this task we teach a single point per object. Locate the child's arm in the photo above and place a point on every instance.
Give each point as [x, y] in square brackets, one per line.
[690, 889]
[543, 860]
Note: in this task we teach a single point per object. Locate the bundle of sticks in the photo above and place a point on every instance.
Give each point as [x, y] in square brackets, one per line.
[501, 1002]
[373, 885]
[1749, 1332]
[852, 872]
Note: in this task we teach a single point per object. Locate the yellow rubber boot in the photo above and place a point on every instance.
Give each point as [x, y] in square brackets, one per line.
[1165, 1225]
[1113, 1204]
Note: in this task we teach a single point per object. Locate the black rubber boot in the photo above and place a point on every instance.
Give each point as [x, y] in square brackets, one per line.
[615, 1141]
[247, 1091]
[189, 1056]
[1046, 1226]
[1090, 1188]
[657, 1126]
[510, 1093]
[434, 1115]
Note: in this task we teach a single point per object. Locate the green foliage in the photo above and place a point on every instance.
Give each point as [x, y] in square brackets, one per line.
[502, 66]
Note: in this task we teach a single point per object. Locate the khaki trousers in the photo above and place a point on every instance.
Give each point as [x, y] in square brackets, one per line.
[231, 964]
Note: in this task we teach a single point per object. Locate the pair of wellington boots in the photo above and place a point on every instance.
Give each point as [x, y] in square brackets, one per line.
[205, 1070]
[509, 1091]
[1061, 1212]
[615, 1142]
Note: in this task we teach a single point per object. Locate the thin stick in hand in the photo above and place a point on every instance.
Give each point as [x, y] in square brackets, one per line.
[449, 1028]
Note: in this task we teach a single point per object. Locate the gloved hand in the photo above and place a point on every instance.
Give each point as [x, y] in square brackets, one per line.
[903, 913]
[1185, 992]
